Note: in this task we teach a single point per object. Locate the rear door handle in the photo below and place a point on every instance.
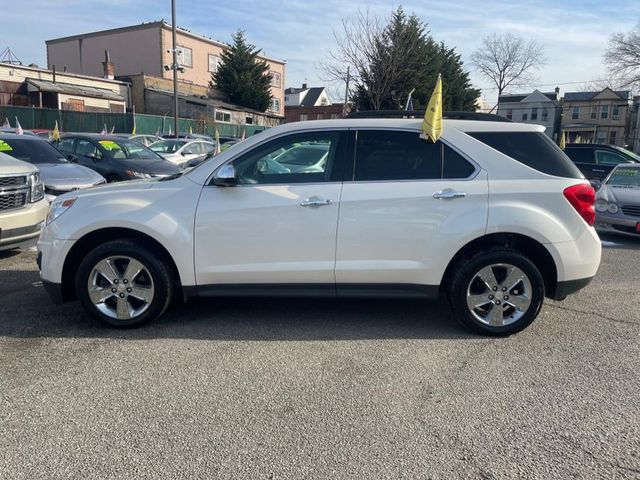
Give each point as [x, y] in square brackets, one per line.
[448, 194]
[315, 202]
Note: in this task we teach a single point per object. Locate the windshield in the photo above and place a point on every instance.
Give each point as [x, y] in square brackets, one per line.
[167, 146]
[127, 149]
[625, 177]
[32, 151]
[629, 153]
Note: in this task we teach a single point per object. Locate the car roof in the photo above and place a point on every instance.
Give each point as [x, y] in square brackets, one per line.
[15, 136]
[409, 124]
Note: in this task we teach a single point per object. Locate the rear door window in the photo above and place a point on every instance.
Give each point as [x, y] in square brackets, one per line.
[455, 165]
[533, 149]
[581, 155]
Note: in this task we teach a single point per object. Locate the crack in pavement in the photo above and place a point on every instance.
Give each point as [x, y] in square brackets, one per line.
[595, 314]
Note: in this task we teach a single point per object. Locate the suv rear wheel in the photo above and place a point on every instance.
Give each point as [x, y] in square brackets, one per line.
[497, 292]
[123, 284]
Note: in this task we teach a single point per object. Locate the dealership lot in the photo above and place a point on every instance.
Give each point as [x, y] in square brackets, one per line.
[283, 389]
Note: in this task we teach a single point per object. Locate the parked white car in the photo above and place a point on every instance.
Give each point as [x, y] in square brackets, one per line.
[493, 214]
[22, 204]
[180, 151]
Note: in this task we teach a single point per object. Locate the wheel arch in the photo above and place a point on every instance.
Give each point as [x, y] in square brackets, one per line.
[531, 248]
[92, 239]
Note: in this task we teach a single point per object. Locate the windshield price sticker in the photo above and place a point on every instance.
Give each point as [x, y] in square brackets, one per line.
[4, 146]
[109, 145]
[627, 172]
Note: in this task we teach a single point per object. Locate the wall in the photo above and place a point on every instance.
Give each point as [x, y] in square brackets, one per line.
[199, 73]
[132, 51]
[314, 113]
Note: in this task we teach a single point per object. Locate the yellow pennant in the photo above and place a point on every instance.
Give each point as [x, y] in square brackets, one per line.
[432, 123]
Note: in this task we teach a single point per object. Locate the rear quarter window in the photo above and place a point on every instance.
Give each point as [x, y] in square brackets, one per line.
[533, 149]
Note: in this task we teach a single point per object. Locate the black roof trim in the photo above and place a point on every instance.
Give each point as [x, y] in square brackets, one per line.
[486, 117]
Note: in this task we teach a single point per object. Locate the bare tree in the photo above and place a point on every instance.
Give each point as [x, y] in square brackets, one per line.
[357, 41]
[623, 57]
[508, 60]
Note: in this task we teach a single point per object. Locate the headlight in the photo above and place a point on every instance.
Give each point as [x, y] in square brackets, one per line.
[613, 208]
[58, 207]
[37, 188]
[602, 205]
[131, 173]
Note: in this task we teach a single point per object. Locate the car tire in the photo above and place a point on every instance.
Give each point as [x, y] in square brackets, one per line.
[123, 284]
[496, 292]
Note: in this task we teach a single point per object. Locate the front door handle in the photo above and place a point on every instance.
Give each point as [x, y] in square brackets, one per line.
[597, 170]
[448, 194]
[315, 202]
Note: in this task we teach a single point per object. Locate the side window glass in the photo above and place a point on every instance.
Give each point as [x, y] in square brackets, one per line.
[580, 154]
[87, 149]
[455, 165]
[65, 145]
[300, 158]
[609, 158]
[387, 155]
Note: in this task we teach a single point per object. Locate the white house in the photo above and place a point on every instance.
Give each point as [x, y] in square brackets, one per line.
[536, 107]
[306, 97]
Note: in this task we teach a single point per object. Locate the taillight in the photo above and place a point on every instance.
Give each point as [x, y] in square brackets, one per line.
[583, 199]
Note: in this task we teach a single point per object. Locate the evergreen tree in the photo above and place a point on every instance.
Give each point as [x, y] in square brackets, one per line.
[243, 76]
[406, 57]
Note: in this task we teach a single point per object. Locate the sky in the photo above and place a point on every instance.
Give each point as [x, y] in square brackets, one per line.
[574, 33]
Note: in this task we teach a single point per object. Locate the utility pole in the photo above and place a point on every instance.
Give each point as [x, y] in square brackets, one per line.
[346, 96]
[175, 67]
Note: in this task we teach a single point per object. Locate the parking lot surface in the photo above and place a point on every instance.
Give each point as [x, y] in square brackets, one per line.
[292, 389]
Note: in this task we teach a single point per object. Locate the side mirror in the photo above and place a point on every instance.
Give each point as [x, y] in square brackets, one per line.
[595, 183]
[72, 158]
[225, 176]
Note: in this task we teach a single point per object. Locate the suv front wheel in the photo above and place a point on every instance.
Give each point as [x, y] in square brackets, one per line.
[497, 292]
[123, 284]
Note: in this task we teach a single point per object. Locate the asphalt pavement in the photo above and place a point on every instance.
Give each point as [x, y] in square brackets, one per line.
[319, 389]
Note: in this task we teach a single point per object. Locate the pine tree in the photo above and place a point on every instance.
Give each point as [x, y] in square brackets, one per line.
[406, 57]
[242, 76]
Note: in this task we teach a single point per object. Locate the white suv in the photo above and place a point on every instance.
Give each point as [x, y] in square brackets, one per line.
[493, 214]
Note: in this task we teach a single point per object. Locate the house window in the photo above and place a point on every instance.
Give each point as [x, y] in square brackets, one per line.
[509, 113]
[534, 114]
[601, 137]
[334, 116]
[525, 117]
[545, 115]
[222, 116]
[575, 113]
[615, 114]
[276, 79]
[274, 105]
[594, 112]
[184, 56]
[248, 120]
[304, 117]
[214, 61]
[73, 105]
[612, 137]
[604, 113]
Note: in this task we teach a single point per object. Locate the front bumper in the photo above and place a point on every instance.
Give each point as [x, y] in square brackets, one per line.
[620, 223]
[21, 227]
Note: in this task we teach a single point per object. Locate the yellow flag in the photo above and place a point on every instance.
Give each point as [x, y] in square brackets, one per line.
[56, 133]
[133, 130]
[562, 140]
[432, 123]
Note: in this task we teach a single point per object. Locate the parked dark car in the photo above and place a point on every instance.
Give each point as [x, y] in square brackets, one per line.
[596, 160]
[58, 174]
[114, 157]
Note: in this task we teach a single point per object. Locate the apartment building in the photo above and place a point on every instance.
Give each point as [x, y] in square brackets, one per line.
[146, 49]
[596, 117]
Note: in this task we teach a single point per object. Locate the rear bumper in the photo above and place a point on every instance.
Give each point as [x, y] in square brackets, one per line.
[563, 289]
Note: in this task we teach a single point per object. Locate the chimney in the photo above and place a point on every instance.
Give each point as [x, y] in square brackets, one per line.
[107, 66]
[304, 86]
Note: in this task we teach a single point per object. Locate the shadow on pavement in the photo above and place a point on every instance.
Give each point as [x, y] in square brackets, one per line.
[27, 312]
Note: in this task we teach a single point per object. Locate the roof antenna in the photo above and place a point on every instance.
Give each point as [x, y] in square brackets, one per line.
[7, 56]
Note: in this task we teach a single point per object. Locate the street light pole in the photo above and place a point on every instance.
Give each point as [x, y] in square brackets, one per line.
[174, 66]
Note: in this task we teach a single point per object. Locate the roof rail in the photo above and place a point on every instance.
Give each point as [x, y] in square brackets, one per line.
[486, 117]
